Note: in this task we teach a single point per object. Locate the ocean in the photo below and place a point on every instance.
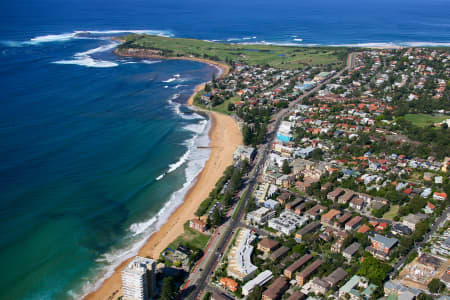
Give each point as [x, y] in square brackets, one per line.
[98, 150]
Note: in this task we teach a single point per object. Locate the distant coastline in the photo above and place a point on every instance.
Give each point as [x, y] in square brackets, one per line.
[148, 53]
[225, 136]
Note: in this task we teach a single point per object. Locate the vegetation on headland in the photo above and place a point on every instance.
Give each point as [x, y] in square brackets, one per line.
[285, 57]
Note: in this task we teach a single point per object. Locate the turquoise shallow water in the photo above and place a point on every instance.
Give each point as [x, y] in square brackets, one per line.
[85, 135]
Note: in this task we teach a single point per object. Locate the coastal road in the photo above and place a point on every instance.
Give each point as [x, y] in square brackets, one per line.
[197, 282]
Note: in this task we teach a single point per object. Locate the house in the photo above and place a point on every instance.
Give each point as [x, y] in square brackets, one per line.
[303, 276]
[280, 252]
[297, 296]
[259, 280]
[198, 225]
[272, 204]
[287, 222]
[395, 288]
[305, 230]
[239, 258]
[412, 220]
[353, 223]
[229, 284]
[335, 277]
[289, 271]
[367, 198]
[363, 229]
[291, 205]
[260, 216]
[445, 278]
[244, 153]
[381, 226]
[357, 203]
[343, 219]
[328, 218]
[429, 208]
[276, 289]
[315, 211]
[267, 245]
[381, 246]
[440, 196]
[318, 286]
[400, 229]
[334, 195]
[346, 197]
[357, 288]
[350, 251]
[283, 198]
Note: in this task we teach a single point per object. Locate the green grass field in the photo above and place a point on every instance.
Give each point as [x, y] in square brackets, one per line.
[223, 107]
[286, 57]
[423, 120]
[191, 239]
[391, 213]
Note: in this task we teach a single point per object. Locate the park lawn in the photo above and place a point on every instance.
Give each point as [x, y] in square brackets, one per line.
[223, 107]
[391, 213]
[190, 238]
[286, 57]
[423, 120]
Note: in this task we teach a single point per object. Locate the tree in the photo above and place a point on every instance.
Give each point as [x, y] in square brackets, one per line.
[207, 296]
[374, 270]
[424, 296]
[216, 218]
[285, 168]
[436, 286]
[256, 294]
[168, 289]
[316, 154]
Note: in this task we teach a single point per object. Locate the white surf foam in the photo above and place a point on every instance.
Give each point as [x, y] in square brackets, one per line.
[176, 109]
[170, 80]
[103, 48]
[196, 128]
[150, 62]
[88, 62]
[394, 44]
[85, 59]
[298, 40]
[52, 38]
[161, 176]
[81, 34]
[179, 86]
[142, 230]
[245, 38]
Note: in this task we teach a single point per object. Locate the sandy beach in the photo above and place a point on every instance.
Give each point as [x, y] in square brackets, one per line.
[225, 136]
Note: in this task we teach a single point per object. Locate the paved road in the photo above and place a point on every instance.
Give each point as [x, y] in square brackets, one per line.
[198, 281]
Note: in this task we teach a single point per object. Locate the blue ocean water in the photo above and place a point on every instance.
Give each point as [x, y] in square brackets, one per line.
[96, 150]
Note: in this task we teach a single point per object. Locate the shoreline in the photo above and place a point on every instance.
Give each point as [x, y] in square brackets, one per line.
[145, 53]
[225, 136]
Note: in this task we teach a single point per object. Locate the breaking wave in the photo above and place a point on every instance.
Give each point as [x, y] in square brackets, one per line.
[85, 59]
[141, 231]
[78, 34]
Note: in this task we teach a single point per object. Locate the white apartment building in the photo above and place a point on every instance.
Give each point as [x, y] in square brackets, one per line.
[138, 279]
